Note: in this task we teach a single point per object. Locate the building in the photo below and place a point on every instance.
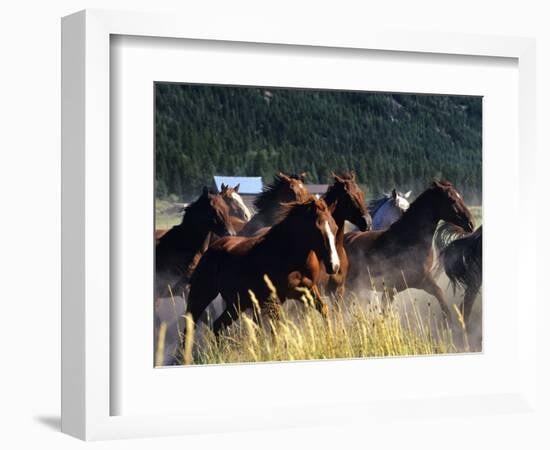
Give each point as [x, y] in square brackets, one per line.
[317, 189]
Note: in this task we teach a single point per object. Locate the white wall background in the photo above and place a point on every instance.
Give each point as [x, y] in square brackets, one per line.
[30, 198]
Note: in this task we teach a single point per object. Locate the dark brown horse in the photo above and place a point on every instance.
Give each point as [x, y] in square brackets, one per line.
[460, 255]
[288, 253]
[284, 189]
[239, 213]
[401, 257]
[347, 201]
[178, 251]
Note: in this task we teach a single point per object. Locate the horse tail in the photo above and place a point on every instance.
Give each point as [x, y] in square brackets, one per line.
[459, 255]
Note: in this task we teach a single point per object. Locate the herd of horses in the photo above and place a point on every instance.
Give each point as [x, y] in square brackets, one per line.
[299, 241]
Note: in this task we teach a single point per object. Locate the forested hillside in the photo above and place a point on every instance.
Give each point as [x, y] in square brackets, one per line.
[389, 140]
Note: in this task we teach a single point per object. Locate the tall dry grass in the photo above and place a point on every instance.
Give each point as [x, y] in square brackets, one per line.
[296, 331]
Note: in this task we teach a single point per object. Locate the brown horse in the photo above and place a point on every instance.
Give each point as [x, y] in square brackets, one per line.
[239, 214]
[284, 189]
[179, 250]
[288, 253]
[237, 207]
[347, 201]
[401, 257]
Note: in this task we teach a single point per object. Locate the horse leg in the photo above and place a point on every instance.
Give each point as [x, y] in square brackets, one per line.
[202, 292]
[469, 299]
[320, 305]
[336, 288]
[226, 319]
[431, 287]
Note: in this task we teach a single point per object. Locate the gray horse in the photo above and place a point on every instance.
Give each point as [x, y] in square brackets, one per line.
[386, 210]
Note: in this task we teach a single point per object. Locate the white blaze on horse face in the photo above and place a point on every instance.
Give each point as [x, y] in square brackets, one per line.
[334, 258]
[244, 208]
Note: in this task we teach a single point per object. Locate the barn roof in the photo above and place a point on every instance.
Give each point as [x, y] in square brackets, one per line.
[249, 185]
[317, 189]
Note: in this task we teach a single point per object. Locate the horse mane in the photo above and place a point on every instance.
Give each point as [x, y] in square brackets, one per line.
[269, 194]
[190, 208]
[416, 207]
[447, 233]
[290, 208]
[195, 204]
[346, 176]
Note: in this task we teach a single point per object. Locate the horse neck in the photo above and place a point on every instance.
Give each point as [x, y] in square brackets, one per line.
[418, 223]
[191, 234]
[339, 215]
[284, 240]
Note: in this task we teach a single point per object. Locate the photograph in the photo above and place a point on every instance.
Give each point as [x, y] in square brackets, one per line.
[296, 224]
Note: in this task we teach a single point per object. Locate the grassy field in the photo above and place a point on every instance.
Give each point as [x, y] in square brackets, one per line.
[354, 329]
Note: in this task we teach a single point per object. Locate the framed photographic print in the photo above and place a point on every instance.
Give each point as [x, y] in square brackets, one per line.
[286, 228]
[267, 194]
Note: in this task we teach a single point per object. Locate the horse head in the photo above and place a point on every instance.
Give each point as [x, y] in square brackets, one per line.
[210, 212]
[400, 200]
[312, 223]
[237, 207]
[450, 206]
[292, 187]
[349, 201]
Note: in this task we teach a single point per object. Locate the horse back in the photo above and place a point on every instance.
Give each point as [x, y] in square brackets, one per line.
[363, 241]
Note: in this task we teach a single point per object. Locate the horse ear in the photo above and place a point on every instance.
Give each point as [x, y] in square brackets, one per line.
[394, 193]
[283, 176]
[302, 176]
[337, 178]
[222, 187]
[408, 194]
[236, 188]
[352, 173]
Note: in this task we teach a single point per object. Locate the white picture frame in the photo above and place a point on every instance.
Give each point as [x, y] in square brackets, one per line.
[87, 325]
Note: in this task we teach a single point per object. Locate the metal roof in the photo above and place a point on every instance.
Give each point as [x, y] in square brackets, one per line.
[248, 185]
[318, 189]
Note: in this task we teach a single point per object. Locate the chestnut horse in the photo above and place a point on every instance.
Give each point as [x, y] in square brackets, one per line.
[401, 257]
[180, 248]
[347, 201]
[288, 254]
[239, 214]
[460, 255]
[284, 189]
